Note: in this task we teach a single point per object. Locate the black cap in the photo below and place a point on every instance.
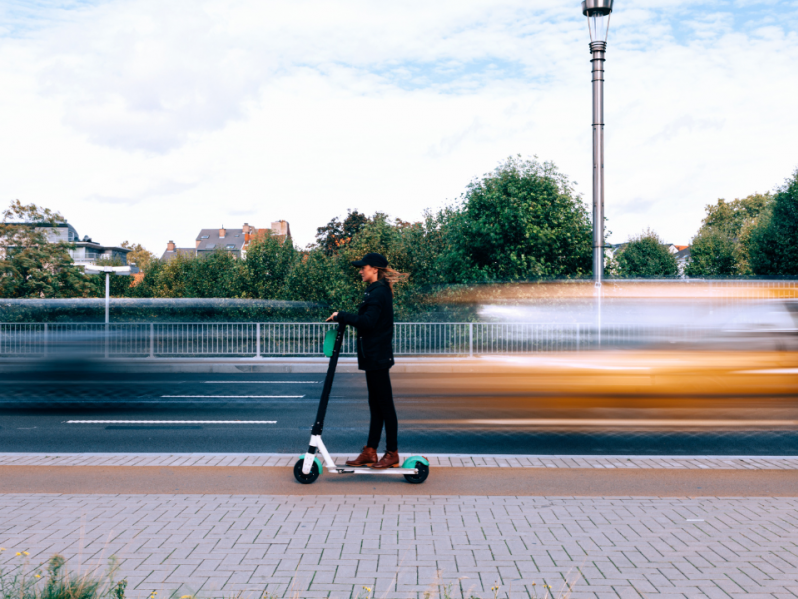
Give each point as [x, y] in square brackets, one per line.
[372, 259]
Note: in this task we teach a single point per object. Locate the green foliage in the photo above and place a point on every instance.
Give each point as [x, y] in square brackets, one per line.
[140, 256]
[732, 216]
[30, 265]
[217, 274]
[521, 221]
[774, 239]
[713, 253]
[150, 284]
[267, 267]
[721, 246]
[646, 256]
[119, 284]
[23, 582]
[336, 234]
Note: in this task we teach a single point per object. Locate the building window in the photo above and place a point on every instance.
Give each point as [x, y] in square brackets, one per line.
[204, 236]
[210, 246]
[230, 246]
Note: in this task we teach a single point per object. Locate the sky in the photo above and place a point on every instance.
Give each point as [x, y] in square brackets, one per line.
[145, 121]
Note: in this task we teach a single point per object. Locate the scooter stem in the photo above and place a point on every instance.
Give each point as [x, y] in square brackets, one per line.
[328, 381]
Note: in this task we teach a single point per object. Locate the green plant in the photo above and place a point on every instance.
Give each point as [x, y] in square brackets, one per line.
[646, 256]
[774, 238]
[24, 582]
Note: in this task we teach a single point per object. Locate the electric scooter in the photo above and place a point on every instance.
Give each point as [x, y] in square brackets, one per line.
[308, 468]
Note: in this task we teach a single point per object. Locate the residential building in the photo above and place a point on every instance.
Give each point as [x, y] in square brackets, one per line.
[235, 241]
[279, 229]
[683, 257]
[172, 251]
[85, 252]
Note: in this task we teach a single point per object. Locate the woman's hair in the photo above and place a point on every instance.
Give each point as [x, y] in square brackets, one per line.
[391, 276]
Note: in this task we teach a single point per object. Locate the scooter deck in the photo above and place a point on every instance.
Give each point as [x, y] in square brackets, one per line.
[344, 469]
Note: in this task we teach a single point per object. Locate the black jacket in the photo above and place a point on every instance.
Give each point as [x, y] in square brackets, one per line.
[374, 324]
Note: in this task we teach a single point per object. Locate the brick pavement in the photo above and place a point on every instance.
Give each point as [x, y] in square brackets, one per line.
[439, 460]
[403, 546]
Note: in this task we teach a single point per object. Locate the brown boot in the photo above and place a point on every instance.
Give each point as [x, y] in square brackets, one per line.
[389, 460]
[367, 458]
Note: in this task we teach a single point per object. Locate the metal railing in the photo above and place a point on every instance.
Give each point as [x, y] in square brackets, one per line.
[158, 340]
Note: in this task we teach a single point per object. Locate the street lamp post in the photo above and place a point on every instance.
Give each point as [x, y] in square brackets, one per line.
[93, 269]
[108, 270]
[598, 22]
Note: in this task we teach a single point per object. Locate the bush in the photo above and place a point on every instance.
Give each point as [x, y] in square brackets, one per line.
[646, 256]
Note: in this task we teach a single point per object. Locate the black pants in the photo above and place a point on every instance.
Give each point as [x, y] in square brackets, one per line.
[382, 410]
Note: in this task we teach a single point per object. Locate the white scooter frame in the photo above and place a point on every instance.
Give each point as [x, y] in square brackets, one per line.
[308, 468]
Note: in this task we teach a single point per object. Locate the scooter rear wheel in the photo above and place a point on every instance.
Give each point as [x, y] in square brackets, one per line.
[306, 479]
[423, 473]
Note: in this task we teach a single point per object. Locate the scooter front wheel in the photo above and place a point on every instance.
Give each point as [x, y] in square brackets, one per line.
[306, 479]
[423, 473]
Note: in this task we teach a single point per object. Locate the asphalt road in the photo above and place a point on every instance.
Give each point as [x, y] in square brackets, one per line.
[455, 413]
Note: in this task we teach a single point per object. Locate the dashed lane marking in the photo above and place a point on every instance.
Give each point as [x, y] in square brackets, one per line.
[236, 396]
[171, 422]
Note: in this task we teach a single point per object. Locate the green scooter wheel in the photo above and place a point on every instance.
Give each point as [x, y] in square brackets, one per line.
[306, 479]
[423, 473]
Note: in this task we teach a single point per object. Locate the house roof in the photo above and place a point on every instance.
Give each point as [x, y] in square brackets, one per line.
[101, 247]
[167, 255]
[684, 253]
[209, 240]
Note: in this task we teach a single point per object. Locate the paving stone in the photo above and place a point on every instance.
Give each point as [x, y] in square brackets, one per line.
[222, 545]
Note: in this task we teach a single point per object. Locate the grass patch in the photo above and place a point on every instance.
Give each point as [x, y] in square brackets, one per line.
[53, 581]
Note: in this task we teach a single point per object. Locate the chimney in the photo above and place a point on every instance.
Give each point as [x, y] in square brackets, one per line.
[281, 229]
[222, 232]
[170, 247]
[246, 228]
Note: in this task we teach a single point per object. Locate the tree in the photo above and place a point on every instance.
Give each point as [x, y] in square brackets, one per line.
[268, 264]
[712, 253]
[31, 266]
[336, 234]
[774, 239]
[140, 256]
[119, 284]
[720, 248]
[215, 275]
[646, 256]
[522, 220]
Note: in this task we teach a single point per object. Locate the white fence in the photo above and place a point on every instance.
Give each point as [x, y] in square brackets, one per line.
[158, 340]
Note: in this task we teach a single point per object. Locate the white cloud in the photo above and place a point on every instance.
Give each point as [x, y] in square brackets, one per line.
[147, 120]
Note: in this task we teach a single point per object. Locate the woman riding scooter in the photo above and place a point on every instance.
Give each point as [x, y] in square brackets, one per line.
[374, 324]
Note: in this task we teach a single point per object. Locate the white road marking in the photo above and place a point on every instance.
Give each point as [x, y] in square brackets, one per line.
[769, 371]
[240, 396]
[262, 382]
[171, 422]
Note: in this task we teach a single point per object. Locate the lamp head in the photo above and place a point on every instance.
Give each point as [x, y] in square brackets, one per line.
[95, 269]
[598, 18]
